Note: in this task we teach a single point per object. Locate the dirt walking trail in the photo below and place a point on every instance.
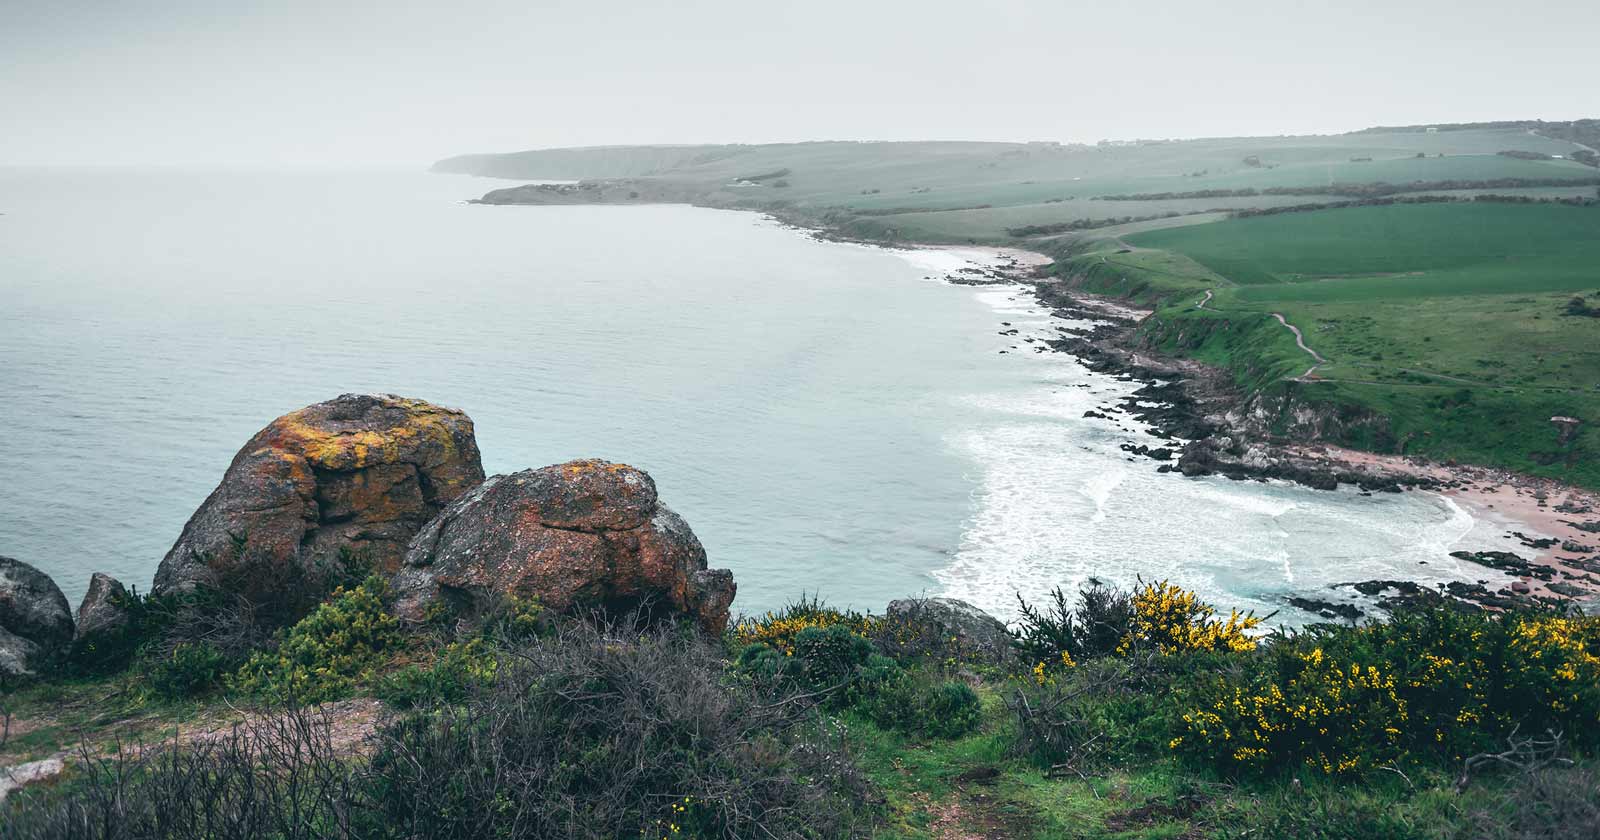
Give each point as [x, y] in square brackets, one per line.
[1300, 341]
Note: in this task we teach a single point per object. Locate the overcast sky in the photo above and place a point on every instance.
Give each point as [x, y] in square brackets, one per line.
[238, 82]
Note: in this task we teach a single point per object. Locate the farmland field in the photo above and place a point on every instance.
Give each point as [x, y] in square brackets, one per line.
[1418, 247]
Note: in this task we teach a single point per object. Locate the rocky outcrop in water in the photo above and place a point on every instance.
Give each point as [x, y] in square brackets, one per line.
[584, 534]
[320, 493]
[35, 621]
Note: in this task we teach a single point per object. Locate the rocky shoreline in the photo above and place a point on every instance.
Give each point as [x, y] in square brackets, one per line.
[1198, 409]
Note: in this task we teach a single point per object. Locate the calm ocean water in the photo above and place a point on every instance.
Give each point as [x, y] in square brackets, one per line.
[827, 419]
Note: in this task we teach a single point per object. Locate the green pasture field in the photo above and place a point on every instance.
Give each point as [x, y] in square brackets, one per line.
[1497, 247]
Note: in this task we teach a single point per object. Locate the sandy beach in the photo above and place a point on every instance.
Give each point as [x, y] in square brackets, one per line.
[1558, 525]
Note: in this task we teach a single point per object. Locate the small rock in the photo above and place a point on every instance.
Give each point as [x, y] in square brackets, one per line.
[102, 610]
[22, 775]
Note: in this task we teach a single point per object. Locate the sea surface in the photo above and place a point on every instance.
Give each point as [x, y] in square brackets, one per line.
[830, 418]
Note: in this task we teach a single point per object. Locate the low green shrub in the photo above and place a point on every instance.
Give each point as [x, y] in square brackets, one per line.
[454, 673]
[828, 657]
[609, 732]
[514, 619]
[188, 669]
[950, 709]
[886, 694]
[779, 629]
[914, 700]
[325, 654]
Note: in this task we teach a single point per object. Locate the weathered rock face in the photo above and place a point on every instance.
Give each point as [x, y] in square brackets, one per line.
[101, 611]
[953, 617]
[584, 533]
[351, 478]
[35, 621]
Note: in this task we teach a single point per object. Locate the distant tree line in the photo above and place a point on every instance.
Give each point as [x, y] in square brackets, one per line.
[1090, 224]
[895, 211]
[1575, 201]
[1372, 190]
[763, 176]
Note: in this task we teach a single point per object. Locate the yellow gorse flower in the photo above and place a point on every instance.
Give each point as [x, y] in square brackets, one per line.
[1170, 619]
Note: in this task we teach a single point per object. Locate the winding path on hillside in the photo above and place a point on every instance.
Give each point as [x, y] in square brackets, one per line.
[1300, 340]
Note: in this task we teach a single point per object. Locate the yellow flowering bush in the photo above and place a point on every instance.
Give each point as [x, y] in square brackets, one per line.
[1169, 619]
[1555, 663]
[779, 629]
[1432, 684]
[1333, 718]
[324, 655]
[1044, 673]
[680, 822]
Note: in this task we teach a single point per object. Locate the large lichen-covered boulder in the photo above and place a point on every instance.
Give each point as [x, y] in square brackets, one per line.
[35, 621]
[585, 534]
[342, 483]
